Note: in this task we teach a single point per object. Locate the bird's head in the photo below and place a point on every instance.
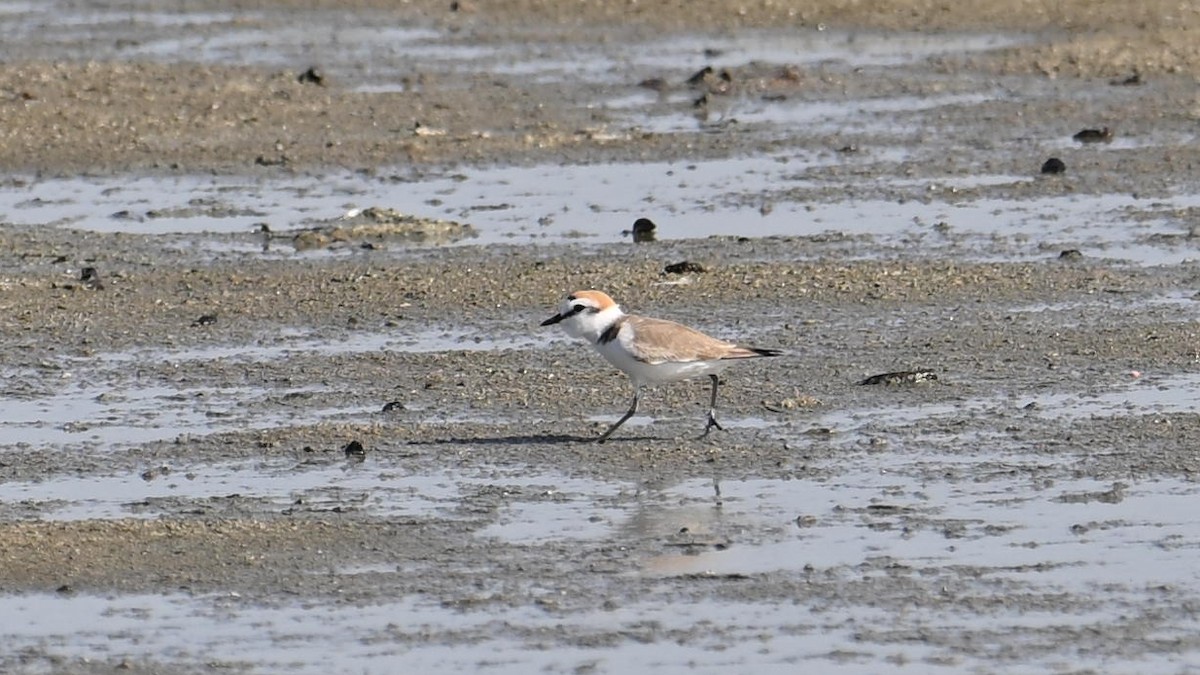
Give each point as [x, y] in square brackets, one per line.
[585, 314]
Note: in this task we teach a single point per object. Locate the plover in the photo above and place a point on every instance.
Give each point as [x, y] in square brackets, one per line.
[649, 351]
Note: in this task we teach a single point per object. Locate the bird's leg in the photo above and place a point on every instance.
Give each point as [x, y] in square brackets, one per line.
[637, 395]
[712, 408]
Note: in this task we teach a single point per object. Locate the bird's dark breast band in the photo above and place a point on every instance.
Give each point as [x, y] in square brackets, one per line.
[611, 333]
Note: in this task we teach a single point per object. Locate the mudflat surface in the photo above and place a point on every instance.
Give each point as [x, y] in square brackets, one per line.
[181, 485]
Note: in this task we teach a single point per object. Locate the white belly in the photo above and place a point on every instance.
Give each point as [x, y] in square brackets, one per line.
[657, 373]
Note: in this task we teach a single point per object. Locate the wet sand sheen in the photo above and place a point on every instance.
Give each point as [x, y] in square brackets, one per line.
[176, 489]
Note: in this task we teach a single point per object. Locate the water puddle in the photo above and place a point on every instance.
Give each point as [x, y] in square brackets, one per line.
[1099, 547]
[426, 638]
[1087, 540]
[567, 509]
[1077, 534]
[101, 417]
[858, 49]
[646, 422]
[552, 204]
[343, 44]
[759, 196]
[816, 116]
[323, 484]
[290, 343]
[89, 402]
[598, 202]
[1146, 395]
[1130, 395]
[541, 506]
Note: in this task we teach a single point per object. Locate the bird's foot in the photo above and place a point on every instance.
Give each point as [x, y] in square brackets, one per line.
[712, 422]
[604, 436]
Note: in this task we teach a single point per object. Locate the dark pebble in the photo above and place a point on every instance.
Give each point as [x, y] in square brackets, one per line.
[643, 230]
[1104, 135]
[699, 75]
[91, 278]
[126, 214]
[311, 76]
[1054, 165]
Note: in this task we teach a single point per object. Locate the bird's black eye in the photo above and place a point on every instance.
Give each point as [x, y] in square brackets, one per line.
[578, 308]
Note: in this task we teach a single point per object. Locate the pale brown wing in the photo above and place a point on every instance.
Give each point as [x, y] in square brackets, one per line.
[661, 341]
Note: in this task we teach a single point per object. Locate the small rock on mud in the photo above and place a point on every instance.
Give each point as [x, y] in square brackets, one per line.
[355, 450]
[1102, 135]
[901, 377]
[642, 231]
[382, 224]
[685, 267]
[1054, 166]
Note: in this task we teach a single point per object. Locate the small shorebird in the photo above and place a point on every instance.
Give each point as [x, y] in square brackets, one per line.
[649, 351]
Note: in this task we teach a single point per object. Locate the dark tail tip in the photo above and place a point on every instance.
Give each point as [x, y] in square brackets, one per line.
[767, 352]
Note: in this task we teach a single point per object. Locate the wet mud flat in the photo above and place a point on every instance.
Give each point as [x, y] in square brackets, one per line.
[275, 397]
[190, 485]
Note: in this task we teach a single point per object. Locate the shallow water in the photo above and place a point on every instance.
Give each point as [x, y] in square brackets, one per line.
[594, 203]
[85, 403]
[1131, 395]
[357, 45]
[950, 545]
[784, 192]
[1068, 539]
